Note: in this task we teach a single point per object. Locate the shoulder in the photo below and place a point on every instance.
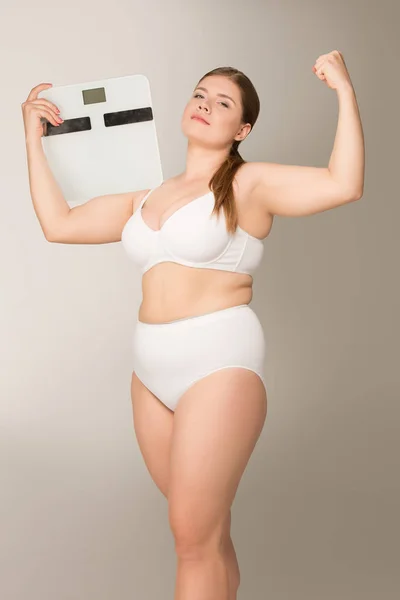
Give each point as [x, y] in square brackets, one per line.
[137, 197]
[251, 173]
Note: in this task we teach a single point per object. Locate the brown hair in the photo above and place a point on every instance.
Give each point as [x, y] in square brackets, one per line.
[221, 182]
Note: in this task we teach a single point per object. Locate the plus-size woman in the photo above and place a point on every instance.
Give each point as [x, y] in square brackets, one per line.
[198, 385]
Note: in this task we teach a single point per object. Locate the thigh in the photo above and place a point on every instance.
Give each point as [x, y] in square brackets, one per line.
[153, 424]
[217, 423]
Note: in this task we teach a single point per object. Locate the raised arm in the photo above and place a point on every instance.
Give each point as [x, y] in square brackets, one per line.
[291, 190]
[98, 221]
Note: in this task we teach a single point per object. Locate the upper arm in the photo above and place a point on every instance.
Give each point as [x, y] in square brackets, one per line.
[100, 220]
[292, 191]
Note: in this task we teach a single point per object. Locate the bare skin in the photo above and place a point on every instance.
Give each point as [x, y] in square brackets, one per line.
[172, 291]
[172, 444]
[197, 454]
[197, 465]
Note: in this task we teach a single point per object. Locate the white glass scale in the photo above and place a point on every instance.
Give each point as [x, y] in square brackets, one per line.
[107, 143]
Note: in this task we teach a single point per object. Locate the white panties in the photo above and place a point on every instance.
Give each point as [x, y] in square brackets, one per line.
[170, 357]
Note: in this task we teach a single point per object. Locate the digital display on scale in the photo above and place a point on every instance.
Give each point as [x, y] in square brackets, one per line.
[113, 119]
[94, 96]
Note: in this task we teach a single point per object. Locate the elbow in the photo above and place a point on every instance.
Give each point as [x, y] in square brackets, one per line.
[359, 194]
[356, 194]
[49, 237]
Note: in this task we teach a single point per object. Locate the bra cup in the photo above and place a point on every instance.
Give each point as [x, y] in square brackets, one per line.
[192, 235]
[139, 242]
[196, 235]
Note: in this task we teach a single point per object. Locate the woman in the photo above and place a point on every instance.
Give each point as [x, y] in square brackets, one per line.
[198, 387]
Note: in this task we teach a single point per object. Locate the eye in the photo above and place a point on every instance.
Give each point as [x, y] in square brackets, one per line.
[224, 103]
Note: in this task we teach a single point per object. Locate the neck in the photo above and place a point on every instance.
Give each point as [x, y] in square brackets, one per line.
[202, 163]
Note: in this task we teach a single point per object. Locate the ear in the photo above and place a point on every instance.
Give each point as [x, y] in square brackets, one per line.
[243, 132]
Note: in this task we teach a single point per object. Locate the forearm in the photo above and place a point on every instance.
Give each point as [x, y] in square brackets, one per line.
[48, 201]
[347, 160]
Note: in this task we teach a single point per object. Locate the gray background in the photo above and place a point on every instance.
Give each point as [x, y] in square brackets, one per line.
[316, 514]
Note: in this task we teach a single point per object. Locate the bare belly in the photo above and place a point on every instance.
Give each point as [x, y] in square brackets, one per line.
[171, 291]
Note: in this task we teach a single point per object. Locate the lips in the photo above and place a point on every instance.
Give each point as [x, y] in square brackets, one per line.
[200, 119]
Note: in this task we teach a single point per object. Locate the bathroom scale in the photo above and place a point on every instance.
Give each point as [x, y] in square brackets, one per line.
[107, 143]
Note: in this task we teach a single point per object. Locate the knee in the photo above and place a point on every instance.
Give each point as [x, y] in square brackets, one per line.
[192, 551]
[195, 535]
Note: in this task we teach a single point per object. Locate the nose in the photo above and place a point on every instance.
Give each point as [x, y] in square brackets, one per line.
[203, 106]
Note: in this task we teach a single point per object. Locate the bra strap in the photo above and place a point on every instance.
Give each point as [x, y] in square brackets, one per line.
[145, 197]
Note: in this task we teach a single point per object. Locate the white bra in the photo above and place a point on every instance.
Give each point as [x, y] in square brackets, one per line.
[191, 236]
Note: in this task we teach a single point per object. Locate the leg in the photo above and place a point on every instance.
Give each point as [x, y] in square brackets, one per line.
[153, 425]
[216, 426]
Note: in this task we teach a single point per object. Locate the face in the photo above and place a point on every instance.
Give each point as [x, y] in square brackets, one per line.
[223, 114]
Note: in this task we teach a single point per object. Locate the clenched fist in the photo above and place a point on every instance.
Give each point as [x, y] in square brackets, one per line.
[332, 69]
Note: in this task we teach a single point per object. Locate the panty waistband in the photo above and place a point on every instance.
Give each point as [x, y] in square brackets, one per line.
[205, 318]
